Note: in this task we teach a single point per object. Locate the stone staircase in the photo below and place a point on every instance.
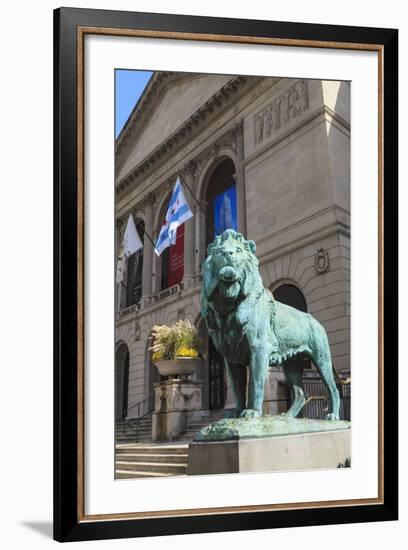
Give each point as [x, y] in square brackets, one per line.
[134, 431]
[142, 460]
[194, 427]
[138, 457]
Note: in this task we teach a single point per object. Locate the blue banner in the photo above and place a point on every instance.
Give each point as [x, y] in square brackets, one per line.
[225, 210]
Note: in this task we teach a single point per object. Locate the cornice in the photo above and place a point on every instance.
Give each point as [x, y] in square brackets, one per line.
[213, 108]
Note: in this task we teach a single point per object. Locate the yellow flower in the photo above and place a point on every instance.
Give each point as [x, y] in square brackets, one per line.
[157, 355]
[187, 352]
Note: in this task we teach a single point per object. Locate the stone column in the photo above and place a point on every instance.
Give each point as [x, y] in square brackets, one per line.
[201, 225]
[238, 134]
[147, 250]
[189, 226]
[120, 294]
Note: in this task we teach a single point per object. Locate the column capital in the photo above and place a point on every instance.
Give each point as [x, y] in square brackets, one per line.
[150, 200]
[238, 128]
[120, 223]
[188, 170]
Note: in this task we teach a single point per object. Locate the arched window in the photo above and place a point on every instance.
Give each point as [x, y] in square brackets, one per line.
[221, 200]
[135, 271]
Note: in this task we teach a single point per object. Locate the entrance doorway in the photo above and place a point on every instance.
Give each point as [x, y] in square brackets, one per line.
[290, 295]
[216, 378]
[213, 374]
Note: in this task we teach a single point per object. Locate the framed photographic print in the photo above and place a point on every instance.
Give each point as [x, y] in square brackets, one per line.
[225, 273]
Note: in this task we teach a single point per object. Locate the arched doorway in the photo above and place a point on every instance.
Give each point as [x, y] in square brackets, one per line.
[290, 295]
[221, 198]
[121, 380]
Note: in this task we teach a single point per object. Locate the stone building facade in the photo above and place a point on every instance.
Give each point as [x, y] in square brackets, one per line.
[283, 145]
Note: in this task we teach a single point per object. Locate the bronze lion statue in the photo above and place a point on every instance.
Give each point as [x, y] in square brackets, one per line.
[249, 328]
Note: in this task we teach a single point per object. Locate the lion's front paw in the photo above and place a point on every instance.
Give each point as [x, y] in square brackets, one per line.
[332, 416]
[232, 413]
[250, 413]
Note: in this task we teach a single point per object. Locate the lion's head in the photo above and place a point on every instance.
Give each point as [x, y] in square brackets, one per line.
[230, 272]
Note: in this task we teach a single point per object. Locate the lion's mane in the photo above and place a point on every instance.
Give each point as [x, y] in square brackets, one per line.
[250, 280]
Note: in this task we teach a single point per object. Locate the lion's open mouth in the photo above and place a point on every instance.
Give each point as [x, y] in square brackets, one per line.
[229, 286]
[228, 275]
[229, 290]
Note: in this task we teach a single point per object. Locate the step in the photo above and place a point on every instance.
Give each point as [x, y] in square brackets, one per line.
[140, 431]
[165, 467]
[135, 433]
[167, 458]
[152, 449]
[126, 474]
[135, 427]
[131, 441]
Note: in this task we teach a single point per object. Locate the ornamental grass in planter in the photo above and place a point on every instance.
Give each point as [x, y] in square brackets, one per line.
[176, 349]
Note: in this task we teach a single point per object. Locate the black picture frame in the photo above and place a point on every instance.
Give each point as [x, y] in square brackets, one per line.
[69, 522]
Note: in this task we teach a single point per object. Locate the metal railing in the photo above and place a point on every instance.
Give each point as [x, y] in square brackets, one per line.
[142, 410]
[147, 301]
[317, 400]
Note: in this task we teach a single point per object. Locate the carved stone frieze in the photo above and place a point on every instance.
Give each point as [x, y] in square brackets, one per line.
[288, 106]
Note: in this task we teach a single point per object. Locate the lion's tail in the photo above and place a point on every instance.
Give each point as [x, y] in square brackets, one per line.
[343, 381]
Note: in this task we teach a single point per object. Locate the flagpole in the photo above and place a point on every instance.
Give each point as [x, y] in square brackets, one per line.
[199, 205]
[147, 235]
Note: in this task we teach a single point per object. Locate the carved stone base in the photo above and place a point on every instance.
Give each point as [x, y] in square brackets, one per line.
[175, 402]
[308, 451]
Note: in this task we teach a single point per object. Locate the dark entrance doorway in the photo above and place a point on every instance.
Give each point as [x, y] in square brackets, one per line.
[291, 296]
[121, 381]
[216, 378]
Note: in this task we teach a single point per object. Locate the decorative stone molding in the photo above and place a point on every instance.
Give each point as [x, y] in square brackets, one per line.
[288, 106]
[321, 261]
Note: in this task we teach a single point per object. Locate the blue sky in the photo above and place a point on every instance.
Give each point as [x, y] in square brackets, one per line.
[129, 86]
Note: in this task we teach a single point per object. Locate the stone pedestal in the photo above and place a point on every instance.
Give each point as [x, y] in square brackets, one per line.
[175, 402]
[307, 451]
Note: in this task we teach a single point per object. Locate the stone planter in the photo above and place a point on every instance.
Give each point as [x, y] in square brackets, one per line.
[181, 366]
[177, 401]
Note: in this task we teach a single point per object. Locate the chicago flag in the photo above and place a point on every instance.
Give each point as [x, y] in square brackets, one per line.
[177, 213]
